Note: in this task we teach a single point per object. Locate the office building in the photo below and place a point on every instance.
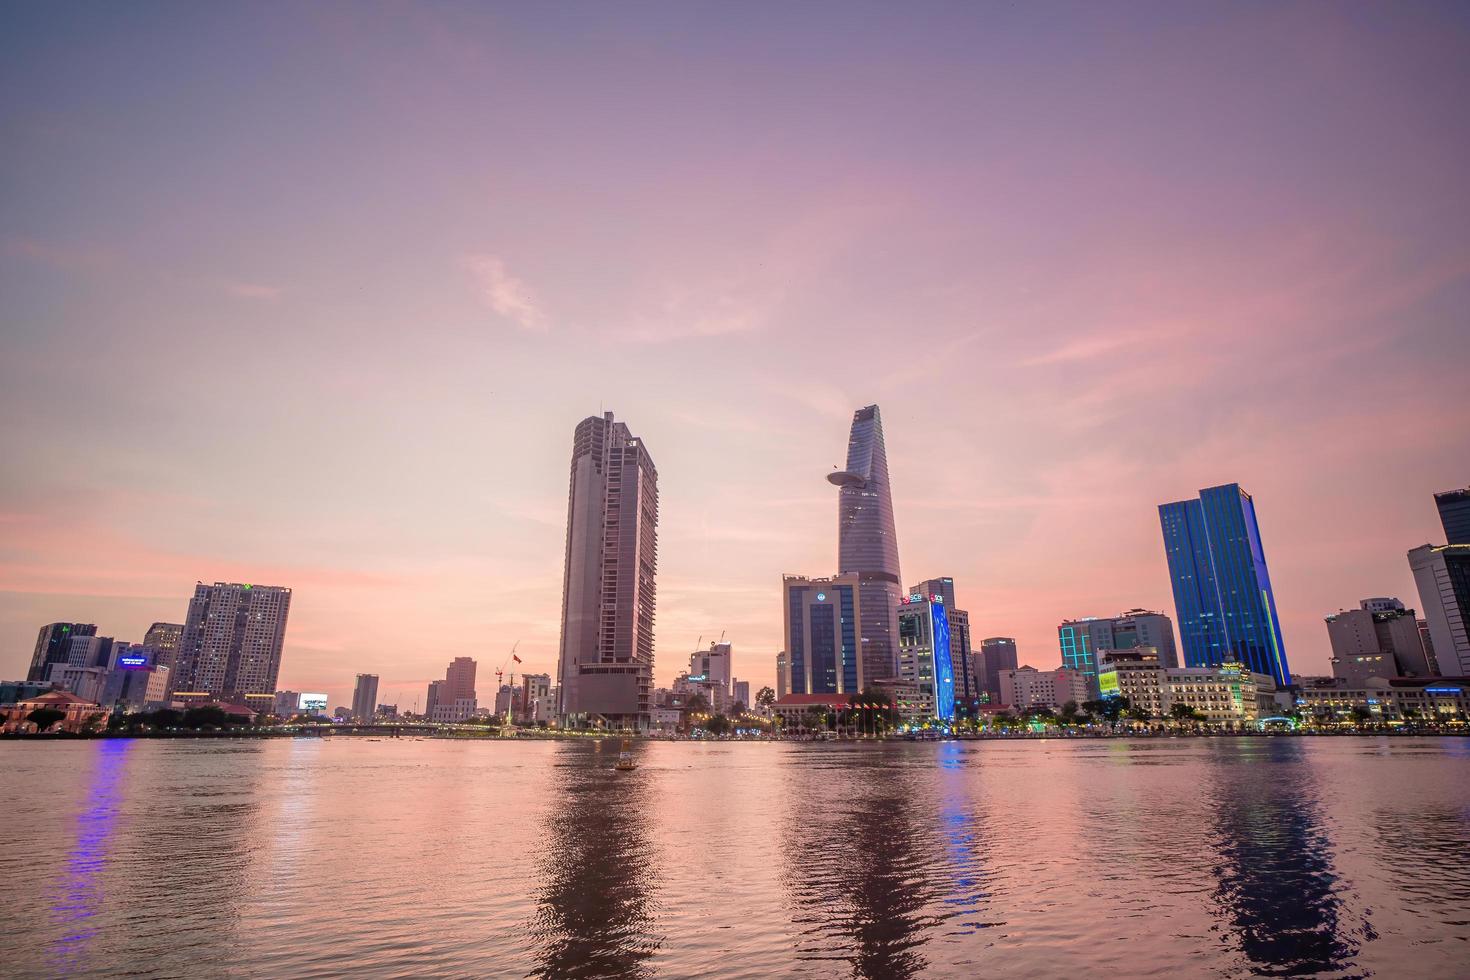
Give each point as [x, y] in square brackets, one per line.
[53, 645]
[135, 682]
[1378, 639]
[1442, 574]
[283, 705]
[823, 648]
[740, 692]
[997, 654]
[231, 645]
[89, 651]
[1023, 688]
[1084, 641]
[453, 698]
[924, 654]
[534, 688]
[1428, 642]
[87, 681]
[968, 677]
[165, 639]
[1454, 514]
[1393, 700]
[1222, 588]
[783, 676]
[605, 668]
[365, 697]
[712, 664]
[867, 544]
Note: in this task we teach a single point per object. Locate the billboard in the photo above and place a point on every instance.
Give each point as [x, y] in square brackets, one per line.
[312, 704]
[1107, 683]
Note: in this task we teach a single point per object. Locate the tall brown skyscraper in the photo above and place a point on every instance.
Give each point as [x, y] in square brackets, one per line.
[605, 669]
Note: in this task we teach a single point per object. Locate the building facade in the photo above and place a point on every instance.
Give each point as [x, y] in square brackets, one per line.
[1454, 515]
[924, 658]
[823, 638]
[1442, 574]
[997, 654]
[1084, 641]
[867, 542]
[365, 697]
[231, 646]
[53, 645]
[1222, 588]
[968, 676]
[1378, 639]
[1023, 688]
[1228, 694]
[713, 664]
[165, 638]
[605, 666]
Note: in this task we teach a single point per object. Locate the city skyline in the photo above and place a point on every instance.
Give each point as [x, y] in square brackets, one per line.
[343, 359]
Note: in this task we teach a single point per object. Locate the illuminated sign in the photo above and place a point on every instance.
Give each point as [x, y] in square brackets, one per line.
[132, 661]
[1441, 690]
[312, 704]
[1107, 683]
[821, 597]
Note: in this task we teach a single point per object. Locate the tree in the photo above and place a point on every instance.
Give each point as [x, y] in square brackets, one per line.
[874, 710]
[44, 718]
[206, 716]
[736, 709]
[1069, 713]
[717, 725]
[765, 697]
[1109, 709]
[813, 718]
[1179, 711]
[1361, 715]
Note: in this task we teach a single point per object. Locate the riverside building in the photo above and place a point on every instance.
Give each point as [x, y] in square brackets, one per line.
[1084, 641]
[365, 697]
[605, 664]
[1229, 694]
[231, 645]
[1378, 639]
[924, 659]
[53, 646]
[1442, 574]
[1026, 687]
[1222, 588]
[968, 677]
[997, 654]
[823, 642]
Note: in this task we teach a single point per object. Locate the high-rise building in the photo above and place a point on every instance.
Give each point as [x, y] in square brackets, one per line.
[535, 688]
[712, 664]
[232, 641]
[823, 648]
[53, 645]
[1442, 573]
[365, 697]
[740, 691]
[165, 638]
[867, 544]
[1454, 514]
[453, 698]
[924, 654]
[605, 669]
[997, 653]
[968, 677]
[90, 651]
[1378, 639]
[1083, 641]
[1222, 588]
[783, 675]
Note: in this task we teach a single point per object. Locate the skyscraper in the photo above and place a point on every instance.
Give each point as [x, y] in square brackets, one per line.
[924, 654]
[968, 677]
[365, 697]
[164, 638]
[53, 645]
[231, 645]
[867, 544]
[713, 664]
[997, 653]
[605, 668]
[823, 647]
[453, 698]
[1442, 573]
[1454, 514]
[1222, 589]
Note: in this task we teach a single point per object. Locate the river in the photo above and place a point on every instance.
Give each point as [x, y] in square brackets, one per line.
[1224, 857]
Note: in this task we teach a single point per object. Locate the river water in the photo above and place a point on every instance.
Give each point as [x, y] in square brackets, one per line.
[420, 857]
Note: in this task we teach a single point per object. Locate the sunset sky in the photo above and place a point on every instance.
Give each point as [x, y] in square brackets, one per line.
[314, 295]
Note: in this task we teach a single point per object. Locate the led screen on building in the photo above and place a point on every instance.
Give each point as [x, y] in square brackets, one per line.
[312, 704]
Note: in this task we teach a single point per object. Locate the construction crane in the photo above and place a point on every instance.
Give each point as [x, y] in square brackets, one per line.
[500, 678]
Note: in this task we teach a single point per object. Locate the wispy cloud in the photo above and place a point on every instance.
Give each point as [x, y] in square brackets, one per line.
[1096, 345]
[60, 256]
[502, 292]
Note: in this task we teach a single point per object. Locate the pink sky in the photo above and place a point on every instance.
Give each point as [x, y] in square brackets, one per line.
[314, 297]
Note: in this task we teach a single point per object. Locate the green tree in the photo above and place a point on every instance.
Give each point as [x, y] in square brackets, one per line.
[765, 697]
[1181, 712]
[736, 709]
[44, 718]
[1108, 709]
[1361, 715]
[716, 725]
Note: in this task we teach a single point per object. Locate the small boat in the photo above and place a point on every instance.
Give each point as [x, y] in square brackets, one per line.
[625, 761]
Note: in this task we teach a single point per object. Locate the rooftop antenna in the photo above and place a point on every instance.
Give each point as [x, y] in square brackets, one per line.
[722, 636]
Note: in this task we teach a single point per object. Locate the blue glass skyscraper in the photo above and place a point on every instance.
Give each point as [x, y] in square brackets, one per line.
[1222, 590]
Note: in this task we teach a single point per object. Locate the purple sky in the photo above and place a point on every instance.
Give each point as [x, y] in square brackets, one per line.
[313, 295]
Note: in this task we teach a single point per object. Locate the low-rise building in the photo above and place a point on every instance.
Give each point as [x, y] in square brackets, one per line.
[1391, 700]
[1226, 695]
[1026, 687]
[78, 714]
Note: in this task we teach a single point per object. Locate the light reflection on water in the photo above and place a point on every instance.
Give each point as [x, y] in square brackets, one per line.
[1228, 857]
